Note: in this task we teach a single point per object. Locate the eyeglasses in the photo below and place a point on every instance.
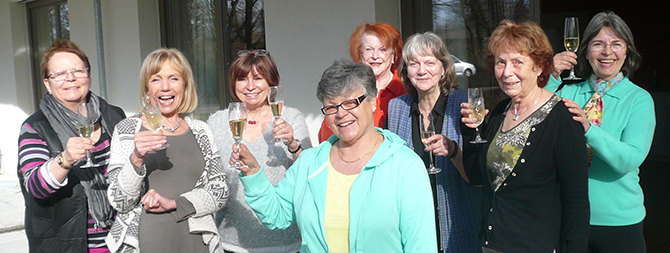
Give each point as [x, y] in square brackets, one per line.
[256, 52]
[383, 52]
[60, 76]
[347, 105]
[599, 46]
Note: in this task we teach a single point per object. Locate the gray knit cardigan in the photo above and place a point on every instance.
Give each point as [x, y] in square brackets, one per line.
[125, 188]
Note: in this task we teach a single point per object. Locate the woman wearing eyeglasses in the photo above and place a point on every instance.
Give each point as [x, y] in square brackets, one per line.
[66, 200]
[250, 78]
[378, 45]
[619, 120]
[362, 190]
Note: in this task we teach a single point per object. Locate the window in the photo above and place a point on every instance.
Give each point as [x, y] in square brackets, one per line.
[465, 26]
[48, 22]
[209, 33]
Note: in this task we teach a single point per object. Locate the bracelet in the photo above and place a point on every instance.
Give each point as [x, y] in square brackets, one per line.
[296, 149]
[453, 154]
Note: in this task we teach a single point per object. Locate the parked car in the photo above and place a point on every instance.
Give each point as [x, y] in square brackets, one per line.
[463, 68]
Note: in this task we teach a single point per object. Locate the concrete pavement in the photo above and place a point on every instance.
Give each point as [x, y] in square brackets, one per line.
[12, 235]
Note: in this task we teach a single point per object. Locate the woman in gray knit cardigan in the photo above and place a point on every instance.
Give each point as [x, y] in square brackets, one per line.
[166, 184]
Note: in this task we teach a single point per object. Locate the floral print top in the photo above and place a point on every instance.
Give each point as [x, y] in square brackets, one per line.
[506, 146]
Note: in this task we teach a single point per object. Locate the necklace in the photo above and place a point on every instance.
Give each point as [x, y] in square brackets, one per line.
[339, 153]
[516, 109]
[253, 122]
[172, 129]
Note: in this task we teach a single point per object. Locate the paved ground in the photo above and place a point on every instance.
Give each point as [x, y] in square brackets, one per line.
[12, 236]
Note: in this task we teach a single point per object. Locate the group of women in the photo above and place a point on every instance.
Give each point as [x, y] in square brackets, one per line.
[559, 170]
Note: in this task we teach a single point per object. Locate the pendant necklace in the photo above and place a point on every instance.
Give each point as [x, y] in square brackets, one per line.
[516, 109]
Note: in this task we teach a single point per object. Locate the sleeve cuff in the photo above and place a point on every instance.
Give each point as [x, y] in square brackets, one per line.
[185, 209]
[49, 177]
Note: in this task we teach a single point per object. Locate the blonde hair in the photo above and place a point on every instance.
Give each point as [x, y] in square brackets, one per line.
[153, 64]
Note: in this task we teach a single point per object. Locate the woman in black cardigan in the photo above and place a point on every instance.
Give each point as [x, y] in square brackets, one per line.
[533, 167]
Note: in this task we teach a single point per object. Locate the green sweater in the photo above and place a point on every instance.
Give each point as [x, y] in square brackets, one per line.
[620, 144]
[391, 205]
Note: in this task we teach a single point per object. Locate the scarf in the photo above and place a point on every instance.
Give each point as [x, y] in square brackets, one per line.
[64, 122]
[594, 107]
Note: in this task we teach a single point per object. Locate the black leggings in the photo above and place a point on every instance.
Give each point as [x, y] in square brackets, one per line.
[617, 239]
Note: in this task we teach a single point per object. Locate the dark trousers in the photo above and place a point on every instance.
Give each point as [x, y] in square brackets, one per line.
[617, 239]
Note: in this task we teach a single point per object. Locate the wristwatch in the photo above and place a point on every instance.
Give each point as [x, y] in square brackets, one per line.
[296, 149]
[61, 161]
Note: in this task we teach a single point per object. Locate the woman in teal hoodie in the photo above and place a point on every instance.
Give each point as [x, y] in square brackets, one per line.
[619, 120]
[362, 190]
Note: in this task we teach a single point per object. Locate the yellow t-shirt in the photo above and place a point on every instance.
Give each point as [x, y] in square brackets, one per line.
[337, 209]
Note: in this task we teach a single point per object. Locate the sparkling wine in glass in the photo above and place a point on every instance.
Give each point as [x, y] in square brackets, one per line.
[86, 116]
[153, 115]
[427, 130]
[276, 101]
[476, 101]
[571, 41]
[237, 116]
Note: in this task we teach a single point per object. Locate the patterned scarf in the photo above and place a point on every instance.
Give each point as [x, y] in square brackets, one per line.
[594, 107]
[64, 122]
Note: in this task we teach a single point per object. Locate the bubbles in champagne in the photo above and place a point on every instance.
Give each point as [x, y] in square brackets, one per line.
[237, 128]
[155, 120]
[85, 131]
[277, 109]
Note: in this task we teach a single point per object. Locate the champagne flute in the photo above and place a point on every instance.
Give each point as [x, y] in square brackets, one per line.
[476, 101]
[237, 116]
[427, 130]
[571, 41]
[153, 115]
[86, 116]
[276, 101]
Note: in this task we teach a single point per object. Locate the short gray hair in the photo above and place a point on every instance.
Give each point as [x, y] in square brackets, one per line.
[344, 77]
[427, 44]
[620, 28]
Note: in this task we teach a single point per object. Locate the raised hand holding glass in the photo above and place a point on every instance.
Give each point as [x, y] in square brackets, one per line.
[86, 116]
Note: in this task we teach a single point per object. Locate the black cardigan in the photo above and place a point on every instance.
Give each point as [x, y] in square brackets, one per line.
[543, 204]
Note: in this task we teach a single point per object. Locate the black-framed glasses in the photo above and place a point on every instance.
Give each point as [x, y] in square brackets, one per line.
[60, 76]
[347, 105]
[256, 52]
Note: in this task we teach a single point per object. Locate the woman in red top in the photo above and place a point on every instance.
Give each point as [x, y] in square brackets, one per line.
[378, 45]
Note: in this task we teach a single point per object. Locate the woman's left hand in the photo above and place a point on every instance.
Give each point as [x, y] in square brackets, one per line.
[156, 203]
[439, 144]
[282, 131]
[580, 115]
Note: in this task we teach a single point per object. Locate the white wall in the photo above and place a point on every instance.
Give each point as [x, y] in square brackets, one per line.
[124, 21]
[305, 37]
[15, 85]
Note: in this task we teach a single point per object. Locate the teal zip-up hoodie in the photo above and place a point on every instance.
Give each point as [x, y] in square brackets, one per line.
[390, 210]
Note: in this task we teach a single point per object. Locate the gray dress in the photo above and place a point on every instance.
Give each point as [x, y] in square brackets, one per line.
[171, 172]
[240, 229]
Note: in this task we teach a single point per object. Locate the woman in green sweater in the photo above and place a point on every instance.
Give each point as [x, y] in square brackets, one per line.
[619, 120]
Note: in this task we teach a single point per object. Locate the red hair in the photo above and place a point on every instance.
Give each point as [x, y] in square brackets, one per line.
[386, 33]
[525, 38]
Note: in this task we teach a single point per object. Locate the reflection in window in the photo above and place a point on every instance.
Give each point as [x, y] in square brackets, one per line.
[49, 21]
[209, 33]
[465, 26]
